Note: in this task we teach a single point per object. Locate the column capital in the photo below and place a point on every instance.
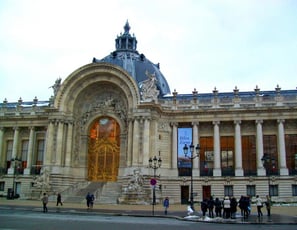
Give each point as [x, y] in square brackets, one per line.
[174, 123]
[237, 122]
[280, 121]
[216, 122]
[195, 123]
[259, 122]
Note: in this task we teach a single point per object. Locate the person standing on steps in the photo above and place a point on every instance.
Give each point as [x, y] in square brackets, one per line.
[166, 205]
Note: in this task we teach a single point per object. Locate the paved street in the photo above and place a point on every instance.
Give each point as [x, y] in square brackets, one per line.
[18, 218]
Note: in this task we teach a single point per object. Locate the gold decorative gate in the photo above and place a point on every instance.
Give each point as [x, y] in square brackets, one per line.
[104, 150]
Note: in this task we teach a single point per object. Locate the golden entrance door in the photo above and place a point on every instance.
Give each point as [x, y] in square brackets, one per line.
[104, 150]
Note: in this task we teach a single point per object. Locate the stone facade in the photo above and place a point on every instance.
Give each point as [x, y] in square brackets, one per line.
[45, 145]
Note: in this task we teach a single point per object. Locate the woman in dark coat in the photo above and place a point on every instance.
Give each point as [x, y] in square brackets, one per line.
[233, 207]
[218, 207]
[204, 207]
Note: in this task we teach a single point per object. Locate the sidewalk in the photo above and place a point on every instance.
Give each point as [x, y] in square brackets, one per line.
[280, 214]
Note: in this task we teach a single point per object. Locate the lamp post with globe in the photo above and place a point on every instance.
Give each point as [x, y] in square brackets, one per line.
[154, 163]
[191, 157]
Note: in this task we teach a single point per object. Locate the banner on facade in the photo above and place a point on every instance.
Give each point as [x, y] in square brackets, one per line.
[184, 136]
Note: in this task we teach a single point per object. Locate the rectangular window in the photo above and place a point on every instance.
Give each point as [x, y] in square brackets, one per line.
[251, 190]
[206, 156]
[249, 157]
[228, 190]
[24, 150]
[273, 190]
[270, 149]
[8, 153]
[294, 190]
[227, 156]
[9, 150]
[24, 153]
[291, 153]
[39, 160]
[2, 184]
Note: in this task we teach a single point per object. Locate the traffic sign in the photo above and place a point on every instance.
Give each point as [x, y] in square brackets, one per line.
[153, 181]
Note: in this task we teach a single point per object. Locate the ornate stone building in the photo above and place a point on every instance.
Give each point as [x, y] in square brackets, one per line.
[108, 118]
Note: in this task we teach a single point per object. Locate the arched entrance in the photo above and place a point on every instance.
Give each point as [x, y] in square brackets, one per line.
[104, 150]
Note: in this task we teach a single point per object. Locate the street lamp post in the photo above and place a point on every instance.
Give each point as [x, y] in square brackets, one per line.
[15, 166]
[192, 157]
[269, 164]
[154, 163]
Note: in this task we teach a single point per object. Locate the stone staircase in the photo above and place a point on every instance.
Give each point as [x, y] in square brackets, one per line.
[79, 195]
[104, 192]
[109, 194]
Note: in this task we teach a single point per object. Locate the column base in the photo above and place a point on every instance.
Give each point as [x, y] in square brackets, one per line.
[217, 172]
[238, 172]
[27, 171]
[10, 171]
[261, 172]
[284, 172]
[196, 172]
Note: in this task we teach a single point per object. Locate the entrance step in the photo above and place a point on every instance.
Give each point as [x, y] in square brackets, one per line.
[110, 193]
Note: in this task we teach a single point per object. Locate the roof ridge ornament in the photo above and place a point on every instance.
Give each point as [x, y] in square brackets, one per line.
[127, 27]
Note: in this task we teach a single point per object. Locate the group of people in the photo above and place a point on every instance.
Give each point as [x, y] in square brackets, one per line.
[44, 201]
[227, 207]
[222, 208]
[90, 198]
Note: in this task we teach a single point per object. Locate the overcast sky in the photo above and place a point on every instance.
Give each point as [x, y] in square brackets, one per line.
[199, 44]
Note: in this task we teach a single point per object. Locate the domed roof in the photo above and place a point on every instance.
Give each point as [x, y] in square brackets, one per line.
[137, 65]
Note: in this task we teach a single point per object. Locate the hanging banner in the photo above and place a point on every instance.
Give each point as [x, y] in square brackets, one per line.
[184, 136]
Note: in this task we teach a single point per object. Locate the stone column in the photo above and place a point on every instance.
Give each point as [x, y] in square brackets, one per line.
[27, 170]
[135, 149]
[69, 144]
[259, 148]
[282, 149]
[217, 150]
[50, 155]
[146, 142]
[1, 147]
[238, 150]
[174, 146]
[60, 143]
[129, 147]
[14, 149]
[196, 168]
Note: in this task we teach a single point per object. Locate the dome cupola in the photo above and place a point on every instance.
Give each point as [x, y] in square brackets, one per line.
[137, 65]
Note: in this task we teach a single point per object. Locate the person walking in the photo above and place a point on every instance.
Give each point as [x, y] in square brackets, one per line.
[89, 200]
[92, 201]
[166, 205]
[44, 200]
[59, 199]
[259, 205]
[268, 204]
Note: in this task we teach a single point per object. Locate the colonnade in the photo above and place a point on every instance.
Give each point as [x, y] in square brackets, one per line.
[237, 147]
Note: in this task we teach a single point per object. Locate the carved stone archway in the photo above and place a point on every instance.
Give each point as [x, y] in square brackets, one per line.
[104, 150]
